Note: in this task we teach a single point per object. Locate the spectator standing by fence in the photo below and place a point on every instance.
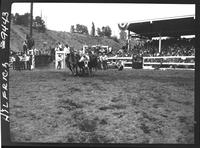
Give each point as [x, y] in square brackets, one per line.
[28, 62]
[67, 51]
[59, 61]
[120, 65]
[17, 66]
[13, 62]
[57, 47]
[23, 61]
[101, 60]
[60, 46]
[25, 46]
[104, 60]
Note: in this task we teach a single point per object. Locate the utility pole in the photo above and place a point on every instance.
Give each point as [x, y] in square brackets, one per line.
[129, 38]
[31, 21]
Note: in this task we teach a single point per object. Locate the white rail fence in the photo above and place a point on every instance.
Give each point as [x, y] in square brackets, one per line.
[127, 61]
[168, 62]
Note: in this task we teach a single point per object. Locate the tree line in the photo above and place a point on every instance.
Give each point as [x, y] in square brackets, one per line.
[39, 24]
[82, 29]
[24, 19]
[104, 31]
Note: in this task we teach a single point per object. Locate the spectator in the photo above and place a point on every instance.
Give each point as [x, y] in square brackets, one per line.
[28, 62]
[13, 59]
[17, 66]
[60, 46]
[59, 61]
[120, 65]
[104, 61]
[57, 47]
[25, 46]
[67, 51]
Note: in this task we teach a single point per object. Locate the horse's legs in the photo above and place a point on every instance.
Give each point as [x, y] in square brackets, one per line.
[71, 69]
[90, 71]
[83, 71]
[76, 70]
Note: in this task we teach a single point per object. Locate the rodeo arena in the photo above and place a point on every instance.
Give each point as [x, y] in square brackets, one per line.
[173, 53]
[144, 94]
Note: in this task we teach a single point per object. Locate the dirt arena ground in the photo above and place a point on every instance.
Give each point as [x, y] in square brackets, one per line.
[129, 106]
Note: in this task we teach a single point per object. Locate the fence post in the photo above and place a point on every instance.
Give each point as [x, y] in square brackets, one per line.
[33, 59]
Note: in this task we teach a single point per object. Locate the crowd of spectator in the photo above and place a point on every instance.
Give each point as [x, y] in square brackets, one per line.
[21, 61]
[169, 47]
[150, 48]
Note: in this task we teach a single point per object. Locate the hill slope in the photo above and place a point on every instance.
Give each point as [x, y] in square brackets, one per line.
[51, 37]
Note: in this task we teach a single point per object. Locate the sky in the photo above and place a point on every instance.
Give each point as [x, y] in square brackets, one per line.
[60, 16]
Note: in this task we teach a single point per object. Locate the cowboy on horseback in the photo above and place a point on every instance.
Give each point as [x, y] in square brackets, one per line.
[85, 58]
[72, 60]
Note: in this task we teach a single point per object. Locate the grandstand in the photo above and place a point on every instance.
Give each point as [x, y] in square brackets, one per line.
[176, 26]
[173, 48]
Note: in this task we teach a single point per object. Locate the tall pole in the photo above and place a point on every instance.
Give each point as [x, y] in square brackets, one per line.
[31, 21]
[128, 40]
[31, 34]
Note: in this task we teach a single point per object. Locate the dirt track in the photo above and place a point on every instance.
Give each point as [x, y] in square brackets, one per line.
[130, 106]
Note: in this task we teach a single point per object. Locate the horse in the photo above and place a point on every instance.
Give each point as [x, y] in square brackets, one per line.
[85, 67]
[72, 63]
[93, 62]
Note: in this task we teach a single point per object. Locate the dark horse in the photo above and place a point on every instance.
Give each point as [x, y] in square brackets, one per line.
[93, 63]
[72, 62]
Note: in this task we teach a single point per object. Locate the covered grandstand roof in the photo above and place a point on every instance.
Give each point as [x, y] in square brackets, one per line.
[176, 26]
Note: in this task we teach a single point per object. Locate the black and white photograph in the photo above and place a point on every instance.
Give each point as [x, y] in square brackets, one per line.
[102, 73]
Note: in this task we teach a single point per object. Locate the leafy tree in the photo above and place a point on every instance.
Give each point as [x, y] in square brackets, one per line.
[39, 24]
[93, 30]
[22, 19]
[99, 32]
[72, 29]
[104, 31]
[81, 29]
[26, 19]
[107, 31]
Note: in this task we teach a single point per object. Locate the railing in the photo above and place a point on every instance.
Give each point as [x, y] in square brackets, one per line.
[168, 62]
[179, 62]
[127, 61]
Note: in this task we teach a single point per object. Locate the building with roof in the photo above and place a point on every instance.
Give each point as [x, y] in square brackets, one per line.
[170, 27]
